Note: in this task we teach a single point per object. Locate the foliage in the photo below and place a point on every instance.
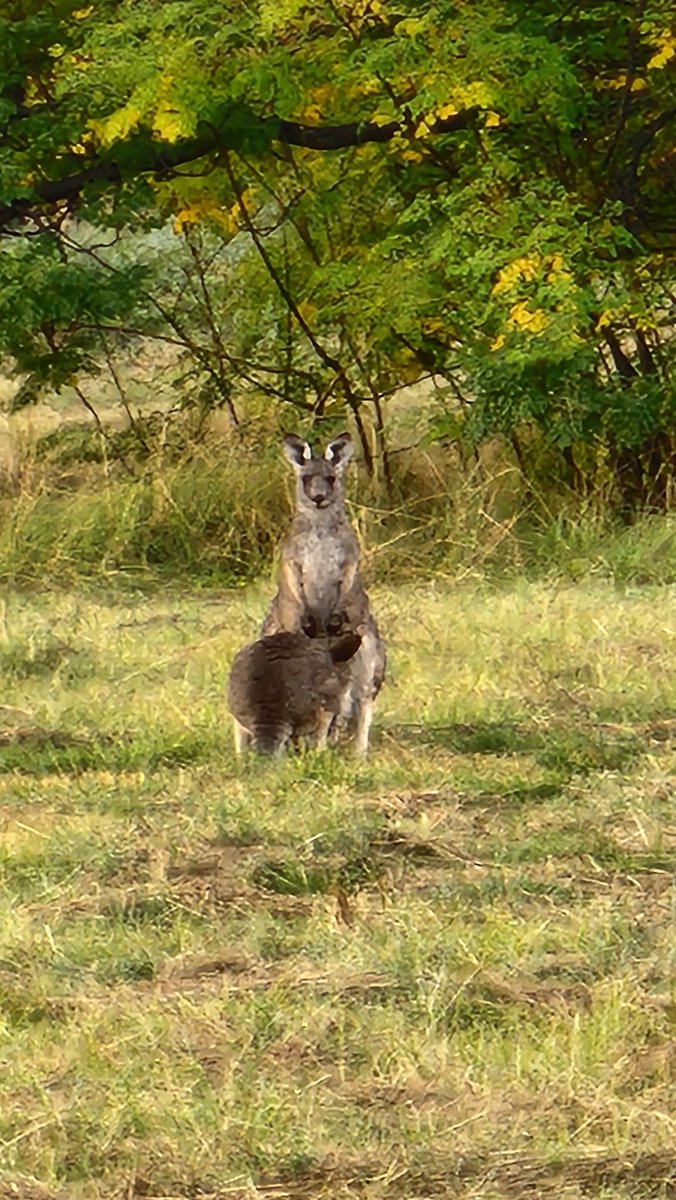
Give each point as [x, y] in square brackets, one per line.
[500, 215]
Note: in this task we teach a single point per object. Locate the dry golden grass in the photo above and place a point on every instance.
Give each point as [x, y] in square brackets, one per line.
[447, 971]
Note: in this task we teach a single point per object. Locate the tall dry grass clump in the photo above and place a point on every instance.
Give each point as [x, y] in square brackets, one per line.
[215, 513]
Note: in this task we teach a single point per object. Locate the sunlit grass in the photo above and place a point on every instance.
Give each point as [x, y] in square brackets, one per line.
[454, 956]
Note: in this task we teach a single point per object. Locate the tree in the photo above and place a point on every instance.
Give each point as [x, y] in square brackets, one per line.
[484, 192]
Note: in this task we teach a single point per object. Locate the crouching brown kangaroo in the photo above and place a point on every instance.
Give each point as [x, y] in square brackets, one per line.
[320, 591]
[287, 686]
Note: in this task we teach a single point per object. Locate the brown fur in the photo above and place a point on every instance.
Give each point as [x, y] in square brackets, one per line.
[287, 686]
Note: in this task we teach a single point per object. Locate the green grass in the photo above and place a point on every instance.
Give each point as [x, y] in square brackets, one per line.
[445, 971]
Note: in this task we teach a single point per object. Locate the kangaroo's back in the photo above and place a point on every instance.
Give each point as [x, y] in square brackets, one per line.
[286, 686]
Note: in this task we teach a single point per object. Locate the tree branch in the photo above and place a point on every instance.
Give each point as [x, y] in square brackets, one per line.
[239, 129]
[643, 139]
[630, 76]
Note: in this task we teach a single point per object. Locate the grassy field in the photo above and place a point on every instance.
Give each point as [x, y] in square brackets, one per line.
[442, 972]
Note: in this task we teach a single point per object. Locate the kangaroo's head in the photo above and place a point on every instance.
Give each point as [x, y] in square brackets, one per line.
[318, 477]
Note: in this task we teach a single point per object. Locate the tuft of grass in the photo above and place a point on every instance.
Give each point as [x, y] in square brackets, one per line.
[582, 545]
[45, 655]
[207, 518]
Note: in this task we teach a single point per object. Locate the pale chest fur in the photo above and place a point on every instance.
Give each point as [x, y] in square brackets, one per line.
[322, 557]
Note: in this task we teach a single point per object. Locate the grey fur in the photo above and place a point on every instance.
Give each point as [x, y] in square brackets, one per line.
[320, 590]
[287, 686]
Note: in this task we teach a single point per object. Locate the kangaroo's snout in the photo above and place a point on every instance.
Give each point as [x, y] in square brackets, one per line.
[319, 487]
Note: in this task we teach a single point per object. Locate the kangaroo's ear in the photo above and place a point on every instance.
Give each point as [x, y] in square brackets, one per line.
[345, 647]
[296, 450]
[340, 451]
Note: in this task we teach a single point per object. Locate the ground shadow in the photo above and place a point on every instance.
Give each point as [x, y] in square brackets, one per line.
[33, 750]
[567, 748]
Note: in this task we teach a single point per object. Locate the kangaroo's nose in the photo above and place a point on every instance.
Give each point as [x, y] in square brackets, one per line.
[319, 500]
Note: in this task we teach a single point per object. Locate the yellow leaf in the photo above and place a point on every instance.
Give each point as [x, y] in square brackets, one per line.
[639, 85]
[557, 272]
[168, 125]
[276, 14]
[474, 93]
[538, 321]
[312, 113]
[422, 130]
[525, 268]
[499, 342]
[447, 110]
[205, 208]
[522, 317]
[605, 319]
[182, 218]
[662, 57]
[410, 27]
[117, 125]
[306, 310]
[323, 93]
[380, 118]
[248, 198]
[80, 13]
[318, 100]
[361, 10]
[492, 120]
[233, 219]
[411, 156]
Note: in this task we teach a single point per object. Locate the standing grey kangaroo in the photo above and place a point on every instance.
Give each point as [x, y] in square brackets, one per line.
[320, 591]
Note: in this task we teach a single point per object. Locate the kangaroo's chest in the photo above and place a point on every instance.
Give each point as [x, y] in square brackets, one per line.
[322, 560]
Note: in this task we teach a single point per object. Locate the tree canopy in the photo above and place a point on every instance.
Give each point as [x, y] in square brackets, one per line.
[363, 191]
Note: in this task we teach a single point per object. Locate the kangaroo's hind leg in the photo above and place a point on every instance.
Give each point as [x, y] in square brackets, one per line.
[323, 726]
[243, 738]
[364, 709]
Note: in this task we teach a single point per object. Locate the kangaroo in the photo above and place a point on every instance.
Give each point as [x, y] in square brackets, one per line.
[287, 686]
[320, 590]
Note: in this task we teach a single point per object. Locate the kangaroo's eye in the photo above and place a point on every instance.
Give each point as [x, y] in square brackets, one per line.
[330, 479]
